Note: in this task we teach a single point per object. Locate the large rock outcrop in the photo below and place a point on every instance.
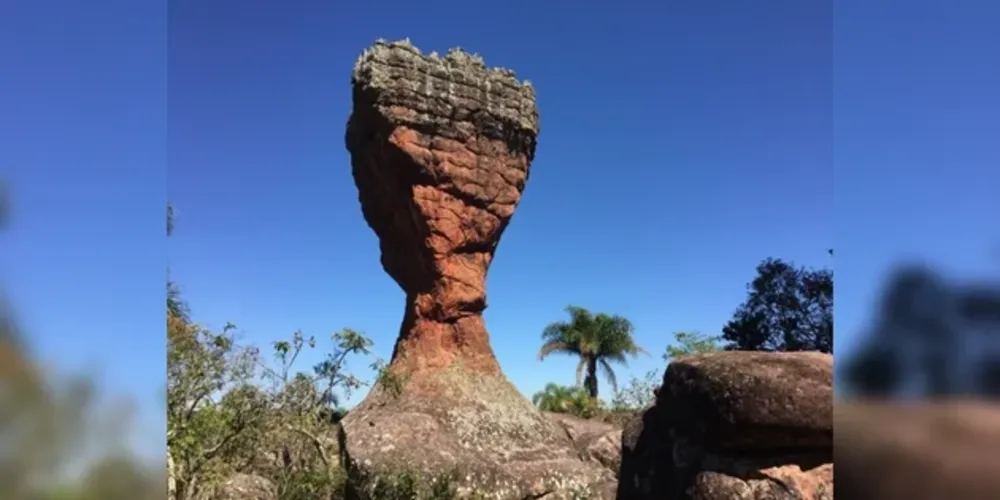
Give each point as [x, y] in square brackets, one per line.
[725, 425]
[440, 151]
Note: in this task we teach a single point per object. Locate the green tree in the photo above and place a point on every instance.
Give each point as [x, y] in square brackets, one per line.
[597, 339]
[212, 405]
[686, 343]
[787, 308]
[305, 407]
[233, 413]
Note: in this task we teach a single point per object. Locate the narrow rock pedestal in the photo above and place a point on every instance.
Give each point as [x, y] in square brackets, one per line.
[441, 148]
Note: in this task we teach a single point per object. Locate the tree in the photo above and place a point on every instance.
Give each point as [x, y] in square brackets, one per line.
[598, 340]
[787, 309]
[918, 342]
[211, 404]
[691, 343]
[303, 409]
[231, 412]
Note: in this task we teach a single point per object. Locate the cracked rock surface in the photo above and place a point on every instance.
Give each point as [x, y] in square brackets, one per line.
[734, 424]
[441, 148]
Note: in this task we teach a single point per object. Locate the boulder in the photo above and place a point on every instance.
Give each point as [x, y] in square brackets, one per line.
[440, 152]
[734, 425]
[741, 400]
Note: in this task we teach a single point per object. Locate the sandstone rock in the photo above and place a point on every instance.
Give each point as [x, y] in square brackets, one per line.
[666, 453]
[750, 399]
[246, 487]
[440, 152]
[946, 449]
[617, 418]
[473, 424]
[778, 483]
[594, 440]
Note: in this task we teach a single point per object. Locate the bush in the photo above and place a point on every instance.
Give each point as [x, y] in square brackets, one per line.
[567, 399]
[231, 411]
[637, 394]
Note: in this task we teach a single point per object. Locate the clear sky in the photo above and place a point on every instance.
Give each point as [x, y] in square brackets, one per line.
[682, 142]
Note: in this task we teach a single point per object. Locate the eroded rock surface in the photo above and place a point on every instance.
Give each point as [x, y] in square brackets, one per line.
[594, 440]
[440, 152]
[725, 425]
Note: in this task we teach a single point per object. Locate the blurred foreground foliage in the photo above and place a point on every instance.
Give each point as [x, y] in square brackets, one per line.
[51, 426]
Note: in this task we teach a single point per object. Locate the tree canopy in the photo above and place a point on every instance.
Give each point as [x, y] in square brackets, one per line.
[787, 308]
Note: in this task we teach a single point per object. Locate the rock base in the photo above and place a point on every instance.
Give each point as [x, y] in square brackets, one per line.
[474, 427]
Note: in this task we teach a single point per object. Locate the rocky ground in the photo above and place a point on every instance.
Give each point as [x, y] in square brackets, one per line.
[724, 425]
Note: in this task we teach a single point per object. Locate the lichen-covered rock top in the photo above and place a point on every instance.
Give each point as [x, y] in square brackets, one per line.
[443, 89]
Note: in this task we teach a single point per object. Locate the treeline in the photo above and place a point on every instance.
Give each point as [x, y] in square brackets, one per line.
[787, 308]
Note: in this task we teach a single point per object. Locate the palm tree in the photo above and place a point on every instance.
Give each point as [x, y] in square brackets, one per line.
[554, 398]
[597, 340]
[176, 308]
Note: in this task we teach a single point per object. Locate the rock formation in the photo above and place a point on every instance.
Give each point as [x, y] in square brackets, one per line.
[726, 425]
[440, 152]
[594, 439]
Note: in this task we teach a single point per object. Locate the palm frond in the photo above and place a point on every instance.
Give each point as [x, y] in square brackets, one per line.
[579, 315]
[608, 374]
[556, 346]
[559, 330]
[581, 367]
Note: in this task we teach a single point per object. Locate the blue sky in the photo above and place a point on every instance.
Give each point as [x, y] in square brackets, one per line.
[682, 142]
